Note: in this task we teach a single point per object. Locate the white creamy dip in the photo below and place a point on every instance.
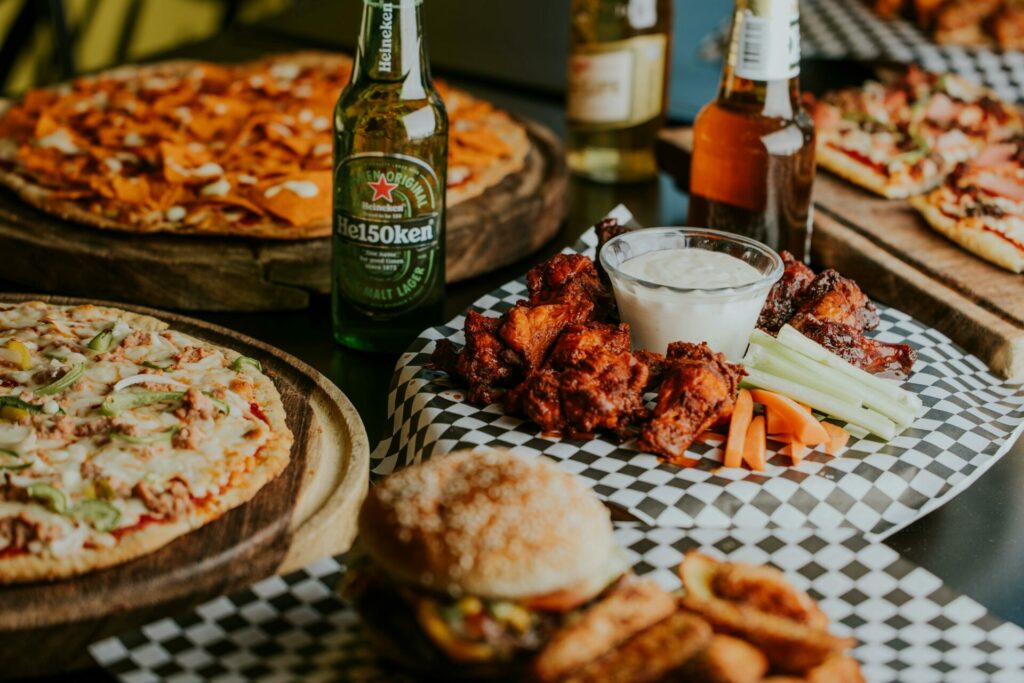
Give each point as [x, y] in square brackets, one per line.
[658, 315]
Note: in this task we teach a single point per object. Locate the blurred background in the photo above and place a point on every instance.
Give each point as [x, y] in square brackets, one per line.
[45, 41]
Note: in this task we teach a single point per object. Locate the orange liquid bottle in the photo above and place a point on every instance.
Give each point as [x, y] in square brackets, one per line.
[753, 149]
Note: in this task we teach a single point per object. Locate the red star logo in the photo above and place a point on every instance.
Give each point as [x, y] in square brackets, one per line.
[382, 189]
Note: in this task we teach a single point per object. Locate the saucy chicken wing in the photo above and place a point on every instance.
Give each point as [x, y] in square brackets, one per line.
[531, 330]
[871, 355]
[601, 392]
[570, 279]
[486, 364]
[698, 388]
[832, 297]
[785, 294]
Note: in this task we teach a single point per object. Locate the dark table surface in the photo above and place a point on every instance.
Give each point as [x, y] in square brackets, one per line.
[974, 543]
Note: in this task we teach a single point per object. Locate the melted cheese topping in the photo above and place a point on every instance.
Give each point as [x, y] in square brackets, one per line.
[75, 448]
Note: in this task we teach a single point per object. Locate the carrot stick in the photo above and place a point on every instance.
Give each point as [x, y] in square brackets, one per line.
[754, 445]
[795, 450]
[774, 423]
[838, 438]
[802, 425]
[741, 417]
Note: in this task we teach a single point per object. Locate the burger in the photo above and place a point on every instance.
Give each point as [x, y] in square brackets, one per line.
[490, 565]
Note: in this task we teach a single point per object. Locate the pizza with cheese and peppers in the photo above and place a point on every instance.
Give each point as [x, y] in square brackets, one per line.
[118, 434]
[191, 147]
[980, 206]
[902, 138]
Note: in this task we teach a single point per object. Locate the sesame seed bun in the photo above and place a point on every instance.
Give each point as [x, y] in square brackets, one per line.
[492, 524]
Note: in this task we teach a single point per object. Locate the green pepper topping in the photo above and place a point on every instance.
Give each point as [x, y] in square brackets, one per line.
[11, 461]
[155, 437]
[15, 402]
[50, 496]
[99, 514]
[222, 405]
[101, 342]
[69, 378]
[242, 361]
[121, 401]
[154, 366]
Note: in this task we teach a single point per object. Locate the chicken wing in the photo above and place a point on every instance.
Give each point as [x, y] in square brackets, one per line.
[570, 278]
[580, 343]
[871, 355]
[604, 393]
[531, 330]
[698, 388]
[486, 364]
[785, 294]
[832, 297]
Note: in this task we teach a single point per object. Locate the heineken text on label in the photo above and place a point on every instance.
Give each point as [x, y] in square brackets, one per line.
[766, 40]
[386, 230]
[387, 14]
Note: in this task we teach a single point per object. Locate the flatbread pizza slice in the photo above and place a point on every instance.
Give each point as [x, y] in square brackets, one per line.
[980, 206]
[902, 137]
[119, 434]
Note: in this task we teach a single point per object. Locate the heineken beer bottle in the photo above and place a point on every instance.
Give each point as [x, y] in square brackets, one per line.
[390, 161]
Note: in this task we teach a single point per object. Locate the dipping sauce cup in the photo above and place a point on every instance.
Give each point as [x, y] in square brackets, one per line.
[711, 298]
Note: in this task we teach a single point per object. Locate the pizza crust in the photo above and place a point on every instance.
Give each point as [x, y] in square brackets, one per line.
[850, 169]
[514, 135]
[987, 245]
[275, 455]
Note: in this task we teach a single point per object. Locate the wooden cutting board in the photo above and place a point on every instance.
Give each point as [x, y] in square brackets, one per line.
[891, 252]
[306, 513]
[505, 223]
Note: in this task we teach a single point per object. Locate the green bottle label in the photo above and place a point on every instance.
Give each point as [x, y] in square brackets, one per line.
[387, 231]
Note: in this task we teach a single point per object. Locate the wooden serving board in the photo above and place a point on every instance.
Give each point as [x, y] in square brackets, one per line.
[306, 513]
[505, 223]
[892, 253]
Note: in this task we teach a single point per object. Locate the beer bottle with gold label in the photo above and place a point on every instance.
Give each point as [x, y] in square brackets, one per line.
[618, 63]
[753, 147]
[390, 163]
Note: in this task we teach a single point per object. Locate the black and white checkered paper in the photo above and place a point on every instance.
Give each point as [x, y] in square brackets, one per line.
[972, 419]
[849, 29]
[910, 627]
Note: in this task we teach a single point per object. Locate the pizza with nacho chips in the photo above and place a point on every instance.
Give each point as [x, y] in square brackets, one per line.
[199, 148]
[119, 434]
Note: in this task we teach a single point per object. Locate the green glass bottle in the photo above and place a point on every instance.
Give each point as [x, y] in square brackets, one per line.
[390, 165]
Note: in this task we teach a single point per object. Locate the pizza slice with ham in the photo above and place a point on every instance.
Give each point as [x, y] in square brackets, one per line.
[902, 138]
[980, 206]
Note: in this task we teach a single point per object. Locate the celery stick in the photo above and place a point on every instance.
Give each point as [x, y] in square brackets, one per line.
[792, 338]
[770, 355]
[870, 420]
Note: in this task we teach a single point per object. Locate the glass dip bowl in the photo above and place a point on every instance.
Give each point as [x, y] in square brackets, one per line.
[660, 312]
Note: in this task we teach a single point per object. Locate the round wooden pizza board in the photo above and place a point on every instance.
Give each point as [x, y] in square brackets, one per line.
[505, 223]
[306, 513]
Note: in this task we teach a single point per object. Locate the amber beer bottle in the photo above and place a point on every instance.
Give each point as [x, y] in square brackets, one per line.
[753, 147]
[390, 165]
[618, 63]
